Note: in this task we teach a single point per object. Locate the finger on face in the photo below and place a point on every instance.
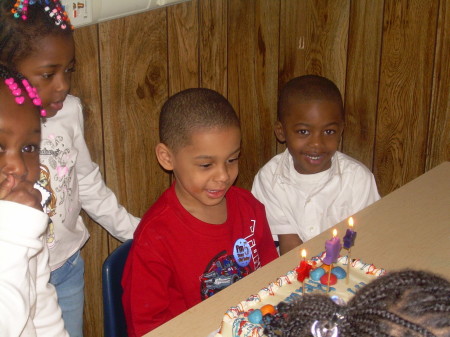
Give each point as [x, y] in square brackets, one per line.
[24, 193]
[6, 186]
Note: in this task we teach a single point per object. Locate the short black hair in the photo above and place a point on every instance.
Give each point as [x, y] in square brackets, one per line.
[308, 88]
[193, 109]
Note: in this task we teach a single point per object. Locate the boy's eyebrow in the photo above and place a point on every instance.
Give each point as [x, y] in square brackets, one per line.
[209, 157]
[329, 124]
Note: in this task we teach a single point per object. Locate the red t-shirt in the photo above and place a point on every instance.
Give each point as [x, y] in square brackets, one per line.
[176, 260]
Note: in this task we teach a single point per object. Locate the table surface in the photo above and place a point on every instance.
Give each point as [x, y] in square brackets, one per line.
[409, 228]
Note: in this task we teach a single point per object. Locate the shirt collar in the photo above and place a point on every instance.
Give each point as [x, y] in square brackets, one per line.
[285, 169]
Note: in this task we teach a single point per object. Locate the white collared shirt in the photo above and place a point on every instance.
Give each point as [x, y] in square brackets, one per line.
[308, 204]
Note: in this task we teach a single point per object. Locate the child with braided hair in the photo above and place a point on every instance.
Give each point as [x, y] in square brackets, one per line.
[36, 39]
[28, 303]
[406, 303]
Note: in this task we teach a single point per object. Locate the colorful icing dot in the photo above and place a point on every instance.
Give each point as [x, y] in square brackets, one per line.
[316, 274]
[255, 317]
[268, 309]
[339, 272]
[324, 279]
[326, 267]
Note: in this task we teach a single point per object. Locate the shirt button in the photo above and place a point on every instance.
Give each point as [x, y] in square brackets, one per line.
[311, 229]
[308, 200]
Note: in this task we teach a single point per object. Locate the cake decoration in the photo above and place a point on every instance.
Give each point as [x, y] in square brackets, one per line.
[249, 319]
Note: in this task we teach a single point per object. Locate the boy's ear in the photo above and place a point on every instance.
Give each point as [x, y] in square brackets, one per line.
[164, 156]
[279, 132]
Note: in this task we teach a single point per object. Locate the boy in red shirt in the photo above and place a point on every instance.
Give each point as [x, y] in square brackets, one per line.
[202, 234]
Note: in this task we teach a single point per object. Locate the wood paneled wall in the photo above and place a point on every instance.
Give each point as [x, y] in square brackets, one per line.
[390, 59]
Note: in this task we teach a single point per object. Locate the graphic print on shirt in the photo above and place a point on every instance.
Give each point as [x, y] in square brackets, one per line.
[50, 206]
[221, 271]
[252, 244]
[56, 155]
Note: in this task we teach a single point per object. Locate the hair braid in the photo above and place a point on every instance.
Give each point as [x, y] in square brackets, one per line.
[18, 84]
[403, 304]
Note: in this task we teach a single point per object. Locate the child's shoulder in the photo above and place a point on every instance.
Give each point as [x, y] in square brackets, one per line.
[350, 165]
[279, 161]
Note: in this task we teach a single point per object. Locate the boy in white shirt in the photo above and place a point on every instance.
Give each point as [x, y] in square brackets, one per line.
[311, 186]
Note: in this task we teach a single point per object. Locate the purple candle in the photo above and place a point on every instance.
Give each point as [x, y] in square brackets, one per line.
[350, 235]
[332, 248]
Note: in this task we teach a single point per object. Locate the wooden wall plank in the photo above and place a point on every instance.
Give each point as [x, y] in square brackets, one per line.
[132, 99]
[213, 45]
[363, 67]
[252, 78]
[438, 148]
[313, 40]
[182, 22]
[88, 71]
[405, 91]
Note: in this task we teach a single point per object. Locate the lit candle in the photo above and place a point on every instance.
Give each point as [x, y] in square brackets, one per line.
[303, 270]
[332, 248]
[350, 235]
[349, 241]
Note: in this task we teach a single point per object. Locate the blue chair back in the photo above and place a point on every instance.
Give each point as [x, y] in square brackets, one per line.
[114, 317]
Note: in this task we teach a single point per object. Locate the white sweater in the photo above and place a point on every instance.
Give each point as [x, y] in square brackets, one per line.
[28, 303]
[75, 182]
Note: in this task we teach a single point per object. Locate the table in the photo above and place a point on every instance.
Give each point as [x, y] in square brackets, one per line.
[410, 227]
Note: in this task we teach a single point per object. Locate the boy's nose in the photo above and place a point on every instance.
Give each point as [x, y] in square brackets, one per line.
[315, 141]
[15, 166]
[222, 174]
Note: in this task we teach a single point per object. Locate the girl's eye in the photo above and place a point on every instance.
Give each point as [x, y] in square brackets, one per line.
[233, 160]
[205, 165]
[30, 148]
[47, 75]
[330, 132]
[70, 70]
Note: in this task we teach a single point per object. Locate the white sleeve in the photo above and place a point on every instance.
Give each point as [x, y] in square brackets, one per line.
[264, 189]
[21, 229]
[96, 198]
[48, 317]
[364, 189]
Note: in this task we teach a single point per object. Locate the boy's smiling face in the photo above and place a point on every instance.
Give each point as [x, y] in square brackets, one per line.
[205, 169]
[312, 131]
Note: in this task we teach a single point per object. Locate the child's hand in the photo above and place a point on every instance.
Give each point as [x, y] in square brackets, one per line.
[21, 192]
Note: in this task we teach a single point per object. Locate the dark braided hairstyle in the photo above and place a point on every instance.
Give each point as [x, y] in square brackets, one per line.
[406, 303]
[18, 37]
[19, 87]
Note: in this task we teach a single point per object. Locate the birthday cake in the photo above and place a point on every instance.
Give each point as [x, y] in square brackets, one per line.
[246, 318]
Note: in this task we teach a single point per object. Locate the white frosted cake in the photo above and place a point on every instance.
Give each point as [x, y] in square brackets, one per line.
[240, 321]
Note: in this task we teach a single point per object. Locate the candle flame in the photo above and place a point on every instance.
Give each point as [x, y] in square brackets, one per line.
[350, 221]
[334, 232]
[303, 253]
